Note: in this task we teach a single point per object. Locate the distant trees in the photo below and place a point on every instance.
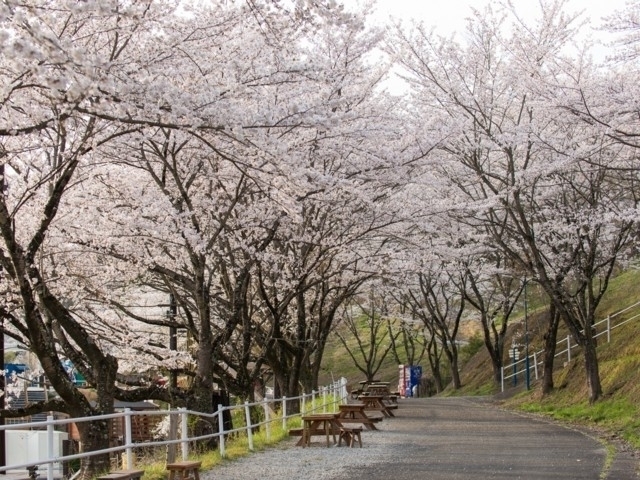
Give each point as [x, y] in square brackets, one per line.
[369, 341]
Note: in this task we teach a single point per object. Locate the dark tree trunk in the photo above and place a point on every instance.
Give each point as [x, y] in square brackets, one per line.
[592, 370]
[94, 435]
[455, 373]
[434, 363]
[550, 340]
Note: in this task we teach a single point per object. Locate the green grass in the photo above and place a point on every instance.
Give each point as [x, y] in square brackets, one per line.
[237, 444]
[616, 415]
[618, 409]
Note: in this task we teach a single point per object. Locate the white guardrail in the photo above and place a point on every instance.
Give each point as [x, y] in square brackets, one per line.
[327, 397]
[520, 366]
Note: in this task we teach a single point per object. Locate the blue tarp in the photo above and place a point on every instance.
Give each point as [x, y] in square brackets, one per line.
[17, 368]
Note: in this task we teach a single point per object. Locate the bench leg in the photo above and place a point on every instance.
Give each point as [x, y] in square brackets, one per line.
[346, 436]
[350, 437]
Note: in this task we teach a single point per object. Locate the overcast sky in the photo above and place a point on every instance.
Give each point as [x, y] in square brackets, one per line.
[449, 15]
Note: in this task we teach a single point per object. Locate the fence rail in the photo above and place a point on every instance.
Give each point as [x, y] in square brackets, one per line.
[328, 397]
[532, 361]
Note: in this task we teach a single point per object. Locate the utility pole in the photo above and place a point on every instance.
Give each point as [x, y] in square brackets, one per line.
[3, 383]
[526, 338]
[173, 338]
[3, 447]
[173, 377]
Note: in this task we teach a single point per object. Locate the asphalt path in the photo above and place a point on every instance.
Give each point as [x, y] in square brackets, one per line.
[470, 438]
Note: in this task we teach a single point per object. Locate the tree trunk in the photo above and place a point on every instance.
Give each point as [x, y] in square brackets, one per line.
[592, 370]
[455, 374]
[94, 435]
[585, 339]
[434, 362]
[496, 363]
[550, 341]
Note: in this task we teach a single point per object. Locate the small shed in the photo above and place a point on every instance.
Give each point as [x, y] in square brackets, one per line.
[142, 426]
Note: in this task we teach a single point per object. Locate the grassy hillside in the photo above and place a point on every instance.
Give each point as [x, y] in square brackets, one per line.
[619, 369]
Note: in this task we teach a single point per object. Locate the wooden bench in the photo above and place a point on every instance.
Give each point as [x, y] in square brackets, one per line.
[349, 435]
[369, 419]
[298, 432]
[355, 393]
[184, 470]
[122, 475]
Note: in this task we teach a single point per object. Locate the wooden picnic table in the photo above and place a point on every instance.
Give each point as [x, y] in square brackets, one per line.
[374, 402]
[381, 388]
[367, 382]
[355, 413]
[319, 424]
[378, 389]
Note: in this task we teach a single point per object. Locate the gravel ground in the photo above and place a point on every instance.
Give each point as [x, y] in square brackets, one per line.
[318, 462]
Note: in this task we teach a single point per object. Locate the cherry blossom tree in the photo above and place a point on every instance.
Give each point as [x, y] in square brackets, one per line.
[55, 59]
[364, 321]
[494, 294]
[205, 193]
[128, 121]
[533, 180]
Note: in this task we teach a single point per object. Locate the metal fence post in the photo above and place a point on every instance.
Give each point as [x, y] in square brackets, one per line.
[343, 391]
[284, 413]
[535, 364]
[221, 444]
[185, 434]
[128, 438]
[502, 379]
[50, 447]
[324, 399]
[568, 348]
[247, 416]
[267, 418]
[609, 328]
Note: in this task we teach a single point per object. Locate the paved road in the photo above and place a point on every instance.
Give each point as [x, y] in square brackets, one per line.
[460, 438]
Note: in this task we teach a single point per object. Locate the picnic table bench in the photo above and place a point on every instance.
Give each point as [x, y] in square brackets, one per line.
[185, 470]
[326, 424]
[364, 385]
[350, 435]
[355, 413]
[374, 402]
[122, 475]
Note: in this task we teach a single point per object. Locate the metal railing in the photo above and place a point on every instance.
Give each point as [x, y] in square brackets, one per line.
[328, 397]
[610, 323]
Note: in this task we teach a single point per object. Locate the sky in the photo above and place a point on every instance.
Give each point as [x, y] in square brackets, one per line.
[449, 15]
